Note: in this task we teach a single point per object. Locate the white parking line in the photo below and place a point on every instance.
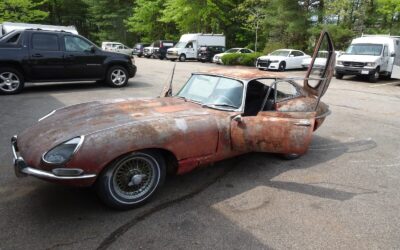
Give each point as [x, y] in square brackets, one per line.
[384, 84]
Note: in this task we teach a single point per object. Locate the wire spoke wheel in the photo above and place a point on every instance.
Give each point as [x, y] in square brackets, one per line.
[134, 177]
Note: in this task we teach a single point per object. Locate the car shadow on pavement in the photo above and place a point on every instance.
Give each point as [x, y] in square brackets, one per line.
[77, 87]
[52, 206]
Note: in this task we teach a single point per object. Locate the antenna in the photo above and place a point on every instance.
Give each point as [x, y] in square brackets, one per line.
[168, 92]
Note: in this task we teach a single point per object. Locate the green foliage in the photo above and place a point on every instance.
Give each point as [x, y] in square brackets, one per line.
[240, 59]
[144, 21]
[21, 11]
[207, 16]
[109, 16]
[265, 24]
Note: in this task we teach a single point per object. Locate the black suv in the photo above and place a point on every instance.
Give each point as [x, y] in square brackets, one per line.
[161, 47]
[206, 53]
[37, 55]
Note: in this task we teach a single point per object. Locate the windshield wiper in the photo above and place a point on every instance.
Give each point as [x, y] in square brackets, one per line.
[182, 97]
[218, 104]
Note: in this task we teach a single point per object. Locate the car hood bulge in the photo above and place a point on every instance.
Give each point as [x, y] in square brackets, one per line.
[279, 58]
[94, 117]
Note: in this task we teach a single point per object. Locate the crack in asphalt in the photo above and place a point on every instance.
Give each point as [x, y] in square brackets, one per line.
[58, 245]
[111, 238]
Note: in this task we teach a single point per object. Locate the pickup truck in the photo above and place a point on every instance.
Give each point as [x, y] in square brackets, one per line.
[35, 55]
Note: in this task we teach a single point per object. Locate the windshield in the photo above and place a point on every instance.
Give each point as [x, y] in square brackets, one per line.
[232, 51]
[180, 45]
[280, 53]
[7, 35]
[365, 49]
[213, 91]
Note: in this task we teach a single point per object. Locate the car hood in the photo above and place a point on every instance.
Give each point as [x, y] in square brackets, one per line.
[92, 118]
[279, 58]
[358, 58]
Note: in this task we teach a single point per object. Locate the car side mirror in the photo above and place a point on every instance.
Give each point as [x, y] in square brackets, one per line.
[92, 49]
[393, 55]
[238, 118]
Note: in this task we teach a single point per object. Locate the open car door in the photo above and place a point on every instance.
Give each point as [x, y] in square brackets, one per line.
[321, 69]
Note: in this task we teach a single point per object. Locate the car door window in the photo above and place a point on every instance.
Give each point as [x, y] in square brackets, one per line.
[76, 44]
[297, 53]
[48, 42]
[285, 90]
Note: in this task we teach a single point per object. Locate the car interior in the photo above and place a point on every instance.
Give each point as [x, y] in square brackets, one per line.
[259, 97]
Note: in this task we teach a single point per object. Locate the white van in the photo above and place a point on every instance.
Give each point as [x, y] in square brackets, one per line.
[7, 27]
[189, 44]
[372, 56]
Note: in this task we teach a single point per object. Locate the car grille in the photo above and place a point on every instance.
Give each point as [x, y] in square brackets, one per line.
[354, 64]
[264, 63]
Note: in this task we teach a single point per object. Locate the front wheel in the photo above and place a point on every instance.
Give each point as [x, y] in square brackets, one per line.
[11, 81]
[131, 180]
[282, 66]
[374, 77]
[182, 58]
[117, 77]
[339, 76]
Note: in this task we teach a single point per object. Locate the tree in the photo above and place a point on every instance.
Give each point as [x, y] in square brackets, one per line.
[71, 12]
[389, 11]
[206, 16]
[21, 11]
[144, 21]
[108, 17]
[254, 13]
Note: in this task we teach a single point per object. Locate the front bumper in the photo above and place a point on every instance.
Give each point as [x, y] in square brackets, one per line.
[355, 71]
[265, 64]
[22, 169]
[132, 70]
[172, 55]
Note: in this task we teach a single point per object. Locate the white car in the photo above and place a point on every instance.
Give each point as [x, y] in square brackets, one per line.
[109, 46]
[217, 57]
[282, 59]
[320, 60]
[124, 50]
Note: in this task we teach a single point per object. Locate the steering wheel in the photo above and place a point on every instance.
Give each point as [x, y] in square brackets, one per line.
[229, 101]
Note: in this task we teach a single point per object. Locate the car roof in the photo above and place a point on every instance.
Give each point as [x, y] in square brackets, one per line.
[241, 73]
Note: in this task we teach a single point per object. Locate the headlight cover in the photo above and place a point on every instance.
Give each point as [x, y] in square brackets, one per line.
[274, 61]
[63, 152]
[370, 64]
[339, 62]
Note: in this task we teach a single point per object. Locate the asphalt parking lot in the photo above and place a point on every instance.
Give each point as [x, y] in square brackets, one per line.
[343, 194]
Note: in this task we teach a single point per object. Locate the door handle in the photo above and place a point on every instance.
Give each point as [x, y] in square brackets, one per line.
[37, 55]
[303, 123]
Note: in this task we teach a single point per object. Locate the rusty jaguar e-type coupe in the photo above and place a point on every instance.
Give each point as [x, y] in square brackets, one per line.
[126, 147]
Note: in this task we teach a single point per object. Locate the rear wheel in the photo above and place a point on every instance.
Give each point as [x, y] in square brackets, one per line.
[11, 81]
[117, 77]
[290, 156]
[131, 180]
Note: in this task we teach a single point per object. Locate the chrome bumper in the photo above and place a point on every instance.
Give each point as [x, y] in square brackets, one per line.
[22, 169]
